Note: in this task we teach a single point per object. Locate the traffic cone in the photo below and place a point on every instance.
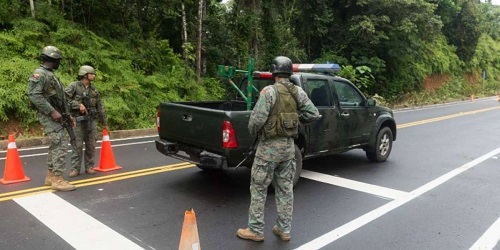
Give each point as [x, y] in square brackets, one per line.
[107, 161]
[189, 235]
[13, 172]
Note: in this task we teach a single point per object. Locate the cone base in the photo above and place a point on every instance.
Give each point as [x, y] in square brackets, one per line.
[107, 169]
[5, 182]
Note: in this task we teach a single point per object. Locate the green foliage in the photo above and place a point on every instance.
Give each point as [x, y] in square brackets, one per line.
[132, 81]
[361, 76]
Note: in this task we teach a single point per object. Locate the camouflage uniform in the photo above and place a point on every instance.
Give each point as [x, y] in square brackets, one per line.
[274, 162]
[85, 130]
[42, 85]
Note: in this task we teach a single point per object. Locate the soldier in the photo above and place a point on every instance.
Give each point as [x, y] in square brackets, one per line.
[86, 106]
[274, 120]
[47, 98]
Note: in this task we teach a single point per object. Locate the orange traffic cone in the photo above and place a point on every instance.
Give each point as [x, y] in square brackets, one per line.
[107, 161]
[13, 172]
[189, 235]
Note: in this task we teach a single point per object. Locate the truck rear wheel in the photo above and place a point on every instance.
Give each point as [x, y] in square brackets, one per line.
[381, 150]
[298, 165]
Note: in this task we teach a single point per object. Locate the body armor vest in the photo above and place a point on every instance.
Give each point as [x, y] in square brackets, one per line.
[283, 120]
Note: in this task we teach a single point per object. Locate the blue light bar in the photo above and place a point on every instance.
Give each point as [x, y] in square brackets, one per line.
[316, 67]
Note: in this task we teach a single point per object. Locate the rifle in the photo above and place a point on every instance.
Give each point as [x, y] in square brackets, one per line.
[65, 118]
[90, 112]
[250, 152]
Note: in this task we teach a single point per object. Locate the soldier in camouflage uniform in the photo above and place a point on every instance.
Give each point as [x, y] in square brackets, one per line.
[43, 89]
[275, 157]
[86, 106]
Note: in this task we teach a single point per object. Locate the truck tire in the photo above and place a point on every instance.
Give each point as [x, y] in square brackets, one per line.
[298, 165]
[381, 150]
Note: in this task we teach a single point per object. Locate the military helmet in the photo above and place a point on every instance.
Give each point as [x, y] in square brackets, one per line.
[86, 69]
[52, 52]
[282, 65]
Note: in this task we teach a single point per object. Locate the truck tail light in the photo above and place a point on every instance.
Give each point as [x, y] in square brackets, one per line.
[228, 135]
[158, 120]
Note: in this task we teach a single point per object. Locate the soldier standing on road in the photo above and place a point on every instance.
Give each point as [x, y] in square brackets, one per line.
[44, 88]
[86, 106]
[274, 120]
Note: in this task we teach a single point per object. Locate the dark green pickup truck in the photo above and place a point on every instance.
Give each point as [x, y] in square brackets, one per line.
[214, 134]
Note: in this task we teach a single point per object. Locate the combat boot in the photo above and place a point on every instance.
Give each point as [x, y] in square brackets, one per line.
[248, 234]
[89, 171]
[48, 178]
[59, 184]
[74, 173]
[283, 236]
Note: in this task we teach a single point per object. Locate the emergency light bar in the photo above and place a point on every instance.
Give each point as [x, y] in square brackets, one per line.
[262, 75]
[329, 68]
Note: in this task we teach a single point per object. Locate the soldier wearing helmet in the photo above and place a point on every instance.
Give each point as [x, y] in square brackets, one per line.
[44, 91]
[274, 120]
[86, 105]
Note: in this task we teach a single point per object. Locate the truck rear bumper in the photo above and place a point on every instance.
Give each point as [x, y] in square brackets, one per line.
[194, 155]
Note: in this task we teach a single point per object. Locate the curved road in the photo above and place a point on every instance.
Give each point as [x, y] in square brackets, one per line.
[438, 190]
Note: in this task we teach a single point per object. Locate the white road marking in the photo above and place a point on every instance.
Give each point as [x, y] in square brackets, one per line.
[489, 239]
[113, 146]
[355, 185]
[347, 228]
[74, 226]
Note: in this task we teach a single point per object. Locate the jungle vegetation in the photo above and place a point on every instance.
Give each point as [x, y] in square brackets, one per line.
[405, 52]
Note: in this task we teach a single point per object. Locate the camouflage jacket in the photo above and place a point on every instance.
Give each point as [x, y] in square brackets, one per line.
[277, 149]
[42, 86]
[75, 93]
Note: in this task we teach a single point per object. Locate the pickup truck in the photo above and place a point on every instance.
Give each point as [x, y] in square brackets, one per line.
[214, 134]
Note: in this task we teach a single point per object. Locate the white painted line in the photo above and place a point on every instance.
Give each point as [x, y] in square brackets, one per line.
[489, 239]
[74, 226]
[347, 228]
[112, 140]
[355, 185]
[113, 146]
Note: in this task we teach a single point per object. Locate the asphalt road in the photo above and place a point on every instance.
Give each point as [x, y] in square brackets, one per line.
[438, 190]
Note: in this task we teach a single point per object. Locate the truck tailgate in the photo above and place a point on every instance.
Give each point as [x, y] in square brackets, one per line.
[191, 125]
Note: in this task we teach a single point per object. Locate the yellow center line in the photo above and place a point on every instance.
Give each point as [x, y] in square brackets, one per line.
[184, 165]
[441, 118]
[98, 180]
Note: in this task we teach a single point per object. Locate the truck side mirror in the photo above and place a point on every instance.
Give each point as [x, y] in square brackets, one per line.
[370, 102]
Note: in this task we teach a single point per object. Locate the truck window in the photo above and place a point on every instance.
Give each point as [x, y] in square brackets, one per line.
[348, 95]
[318, 92]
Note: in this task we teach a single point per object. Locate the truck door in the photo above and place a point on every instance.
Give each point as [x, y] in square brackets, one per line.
[354, 113]
[323, 133]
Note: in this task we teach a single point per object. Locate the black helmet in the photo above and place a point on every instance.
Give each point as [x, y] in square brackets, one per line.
[52, 52]
[282, 65]
[86, 69]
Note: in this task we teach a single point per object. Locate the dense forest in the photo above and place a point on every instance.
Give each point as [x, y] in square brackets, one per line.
[146, 51]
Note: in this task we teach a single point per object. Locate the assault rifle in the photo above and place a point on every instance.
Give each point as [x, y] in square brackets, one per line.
[65, 118]
[89, 116]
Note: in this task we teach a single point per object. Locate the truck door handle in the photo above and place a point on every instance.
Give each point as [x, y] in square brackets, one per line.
[187, 118]
[345, 114]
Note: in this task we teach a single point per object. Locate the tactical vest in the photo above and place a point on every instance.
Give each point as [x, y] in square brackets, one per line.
[283, 120]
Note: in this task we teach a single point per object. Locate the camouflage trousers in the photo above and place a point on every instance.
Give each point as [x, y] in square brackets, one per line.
[281, 175]
[85, 132]
[56, 156]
